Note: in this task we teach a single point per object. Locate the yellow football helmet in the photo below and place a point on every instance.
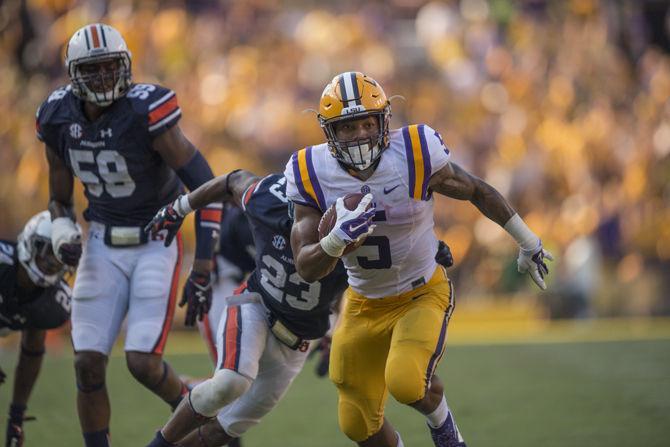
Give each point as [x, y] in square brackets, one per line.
[351, 96]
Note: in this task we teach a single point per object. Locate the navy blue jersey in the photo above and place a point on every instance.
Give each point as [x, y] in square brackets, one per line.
[126, 181]
[39, 308]
[236, 241]
[303, 307]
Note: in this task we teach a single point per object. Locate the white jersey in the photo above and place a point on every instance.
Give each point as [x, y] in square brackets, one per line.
[400, 254]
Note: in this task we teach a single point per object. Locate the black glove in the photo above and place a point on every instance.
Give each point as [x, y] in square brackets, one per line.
[443, 255]
[167, 218]
[3, 376]
[197, 296]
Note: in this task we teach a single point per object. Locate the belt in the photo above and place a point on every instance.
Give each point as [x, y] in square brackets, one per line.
[285, 335]
[119, 236]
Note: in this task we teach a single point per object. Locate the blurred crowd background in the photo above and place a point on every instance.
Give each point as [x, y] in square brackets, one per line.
[561, 105]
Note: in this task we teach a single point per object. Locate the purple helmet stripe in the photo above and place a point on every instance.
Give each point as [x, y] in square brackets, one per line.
[354, 85]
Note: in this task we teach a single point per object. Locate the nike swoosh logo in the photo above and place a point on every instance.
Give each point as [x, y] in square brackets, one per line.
[387, 191]
[354, 228]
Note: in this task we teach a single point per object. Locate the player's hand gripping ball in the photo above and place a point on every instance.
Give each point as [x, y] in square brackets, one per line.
[350, 226]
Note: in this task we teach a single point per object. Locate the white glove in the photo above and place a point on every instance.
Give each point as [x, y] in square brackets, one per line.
[66, 241]
[350, 226]
[532, 261]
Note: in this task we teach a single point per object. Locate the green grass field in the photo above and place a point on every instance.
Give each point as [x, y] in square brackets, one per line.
[598, 393]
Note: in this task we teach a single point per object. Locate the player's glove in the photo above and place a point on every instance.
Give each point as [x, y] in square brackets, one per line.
[443, 255]
[197, 296]
[66, 241]
[350, 226]
[532, 261]
[169, 218]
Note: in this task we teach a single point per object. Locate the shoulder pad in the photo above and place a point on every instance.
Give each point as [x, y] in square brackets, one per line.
[47, 111]
[156, 102]
[426, 154]
[266, 202]
[270, 189]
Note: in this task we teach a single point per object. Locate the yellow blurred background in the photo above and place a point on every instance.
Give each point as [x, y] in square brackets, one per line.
[562, 106]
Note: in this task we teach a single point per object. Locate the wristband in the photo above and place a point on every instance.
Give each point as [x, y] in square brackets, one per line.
[523, 235]
[182, 205]
[332, 245]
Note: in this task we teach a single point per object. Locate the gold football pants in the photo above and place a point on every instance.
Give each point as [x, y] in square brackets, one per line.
[387, 344]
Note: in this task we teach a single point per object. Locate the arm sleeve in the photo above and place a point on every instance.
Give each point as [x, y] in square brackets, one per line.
[207, 219]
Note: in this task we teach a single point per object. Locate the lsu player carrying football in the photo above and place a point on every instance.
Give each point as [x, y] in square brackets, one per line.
[123, 142]
[393, 328]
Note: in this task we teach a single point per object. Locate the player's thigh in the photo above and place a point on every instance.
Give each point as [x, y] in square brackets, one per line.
[418, 342]
[153, 294]
[241, 338]
[278, 367]
[222, 288]
[100, 298]
[357, 363]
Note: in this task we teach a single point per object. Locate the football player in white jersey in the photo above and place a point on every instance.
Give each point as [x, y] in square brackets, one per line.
[394, 324]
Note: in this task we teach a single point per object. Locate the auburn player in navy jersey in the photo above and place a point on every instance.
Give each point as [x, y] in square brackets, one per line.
[33, 298]
[265, 332]
[123, 142]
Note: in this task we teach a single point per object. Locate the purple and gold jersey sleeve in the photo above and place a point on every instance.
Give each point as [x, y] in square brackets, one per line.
[302, 184]
[426, 154]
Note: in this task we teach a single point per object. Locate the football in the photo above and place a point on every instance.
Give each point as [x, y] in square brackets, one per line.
[329, 218]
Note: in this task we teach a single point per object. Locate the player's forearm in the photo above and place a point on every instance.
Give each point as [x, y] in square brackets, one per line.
[214, 190]
[312, 263]
[223, 188]
[28, 367]
[60, 209]
[491, 203]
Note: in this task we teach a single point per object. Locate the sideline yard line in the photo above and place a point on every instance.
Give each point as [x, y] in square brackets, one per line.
[561, 331]
[470, 332]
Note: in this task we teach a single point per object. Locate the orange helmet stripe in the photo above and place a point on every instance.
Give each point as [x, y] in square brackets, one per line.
[94, 35]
